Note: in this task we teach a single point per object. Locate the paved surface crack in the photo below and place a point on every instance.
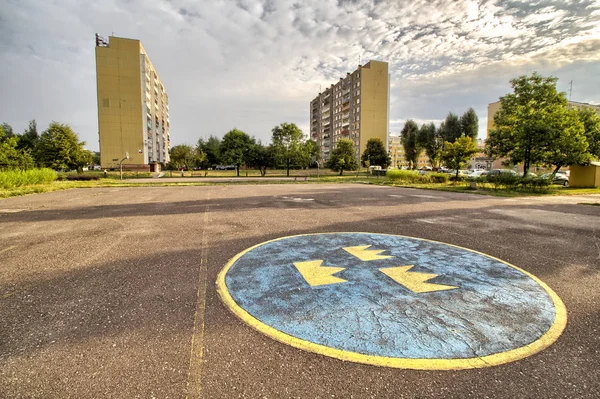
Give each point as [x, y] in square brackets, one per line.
[194, 380]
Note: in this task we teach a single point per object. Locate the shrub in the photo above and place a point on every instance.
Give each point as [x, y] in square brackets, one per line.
[18, 178]
[410, 176]
[438, 177]
[82, 177]
[507, 180]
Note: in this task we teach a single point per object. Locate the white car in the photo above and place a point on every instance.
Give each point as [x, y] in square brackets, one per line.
[478, 173]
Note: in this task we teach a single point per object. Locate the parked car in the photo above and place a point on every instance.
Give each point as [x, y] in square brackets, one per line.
[478, 174]
[495, 172]
[461, 172]
[559, 178]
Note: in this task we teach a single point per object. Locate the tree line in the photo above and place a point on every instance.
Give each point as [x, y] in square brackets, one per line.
[57, 147]
[434, 140]
[451, 143]
[288, 149]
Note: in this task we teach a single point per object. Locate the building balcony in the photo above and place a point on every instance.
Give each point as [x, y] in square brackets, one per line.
[326, 123]
[345, 132]
[345, 100]
[326, 116]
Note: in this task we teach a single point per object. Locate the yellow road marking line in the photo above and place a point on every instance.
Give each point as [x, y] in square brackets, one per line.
[548, 338]
[194, 380]
[7, 249]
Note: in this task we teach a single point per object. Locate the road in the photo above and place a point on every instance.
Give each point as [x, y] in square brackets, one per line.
[111, 292]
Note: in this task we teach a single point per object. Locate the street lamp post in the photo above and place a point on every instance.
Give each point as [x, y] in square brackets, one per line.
[121, 164]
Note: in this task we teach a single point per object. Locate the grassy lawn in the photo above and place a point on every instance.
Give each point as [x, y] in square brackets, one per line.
[112, 180]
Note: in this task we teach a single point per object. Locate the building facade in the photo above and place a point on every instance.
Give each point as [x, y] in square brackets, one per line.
[356, 108]
[396, 152]
[133, 107]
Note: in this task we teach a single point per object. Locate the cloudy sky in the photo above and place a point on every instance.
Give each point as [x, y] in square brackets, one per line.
[253, 64]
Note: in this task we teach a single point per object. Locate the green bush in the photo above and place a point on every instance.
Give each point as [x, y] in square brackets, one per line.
[515, 182]
[438, 177]
[413, 177]
[506, 180]
[18, 178]
[82, 177]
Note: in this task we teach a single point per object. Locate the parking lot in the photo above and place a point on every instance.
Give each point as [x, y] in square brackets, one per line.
[112, 292]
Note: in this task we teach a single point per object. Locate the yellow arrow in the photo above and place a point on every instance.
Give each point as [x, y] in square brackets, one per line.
[364, 254]
[414, 281]
[315, 274]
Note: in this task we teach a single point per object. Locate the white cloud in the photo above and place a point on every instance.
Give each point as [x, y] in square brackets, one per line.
[252, 64]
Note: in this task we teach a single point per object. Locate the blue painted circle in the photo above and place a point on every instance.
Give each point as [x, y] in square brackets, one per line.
[496, 307]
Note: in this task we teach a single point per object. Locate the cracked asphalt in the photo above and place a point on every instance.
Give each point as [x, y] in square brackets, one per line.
[110, 292]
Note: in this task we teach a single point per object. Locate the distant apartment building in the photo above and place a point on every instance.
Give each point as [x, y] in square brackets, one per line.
[133, 106]
[396, 152]
[356, 107]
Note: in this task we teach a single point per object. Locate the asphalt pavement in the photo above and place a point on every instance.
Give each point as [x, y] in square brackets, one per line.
[111, 292]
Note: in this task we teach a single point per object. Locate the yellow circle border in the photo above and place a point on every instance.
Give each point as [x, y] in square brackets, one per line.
[547, 339]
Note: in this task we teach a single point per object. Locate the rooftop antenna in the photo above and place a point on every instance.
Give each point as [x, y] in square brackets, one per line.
[359, 59]
[570, 89]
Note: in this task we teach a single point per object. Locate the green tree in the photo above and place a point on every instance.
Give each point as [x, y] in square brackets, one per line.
[8, 130]
[59, 148]
[375, 154]
[260, 157]
[430, 139]
[455, 155]
[287, 142]
[528, 122]
[235, 148]
[568, 141]
[343, 157]
[452, 128]
[212, 149]
[591, 125]
[469, 123]
[10, 156]
[186, 156]
[28, 140]
[309, 151]
[409, 139]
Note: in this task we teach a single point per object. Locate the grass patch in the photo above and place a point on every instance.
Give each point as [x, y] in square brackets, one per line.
[482, 188]
[19, 178]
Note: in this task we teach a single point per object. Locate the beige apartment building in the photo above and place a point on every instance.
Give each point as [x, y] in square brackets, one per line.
[133, 107]
[356, 107]
[396, 151]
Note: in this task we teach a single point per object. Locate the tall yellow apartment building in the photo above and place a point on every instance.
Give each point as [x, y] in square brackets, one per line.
[133, 107]
[356, 107]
